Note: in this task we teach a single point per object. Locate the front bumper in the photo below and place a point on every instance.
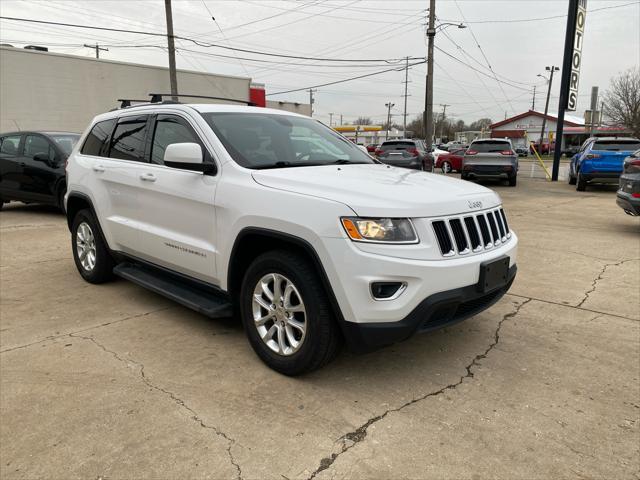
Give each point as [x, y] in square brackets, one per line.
[434, 312]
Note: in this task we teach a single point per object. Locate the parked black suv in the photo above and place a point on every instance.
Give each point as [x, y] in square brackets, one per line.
[628, 197]
[32, 166]
[405, 153]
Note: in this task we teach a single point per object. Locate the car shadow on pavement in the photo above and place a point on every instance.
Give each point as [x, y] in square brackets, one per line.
[31, 208]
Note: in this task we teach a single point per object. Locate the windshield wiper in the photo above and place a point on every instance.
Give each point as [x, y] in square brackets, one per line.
[345, 162]
[285, 164]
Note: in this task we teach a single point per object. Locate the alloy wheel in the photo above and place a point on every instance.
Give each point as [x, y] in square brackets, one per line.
[86, 246]
[279, 314]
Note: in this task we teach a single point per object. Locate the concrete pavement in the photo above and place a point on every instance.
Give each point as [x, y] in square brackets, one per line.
[113, 381]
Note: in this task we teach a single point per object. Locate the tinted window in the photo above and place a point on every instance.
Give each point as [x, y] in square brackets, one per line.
[490, 146]
[96, 142]
[170, 129]
[259, 140]
[616, 145]
[65, 142]
[127, 142]
[9, 145]
[387, 146]
[35, 144]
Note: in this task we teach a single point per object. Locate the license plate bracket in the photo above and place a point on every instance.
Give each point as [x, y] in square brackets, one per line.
[493, 274]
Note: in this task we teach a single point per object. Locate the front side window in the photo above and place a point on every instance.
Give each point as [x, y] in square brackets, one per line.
[128, 140]
[261, 140]
[9, 145]
[97, 141]
[170, 129]
[35, 144]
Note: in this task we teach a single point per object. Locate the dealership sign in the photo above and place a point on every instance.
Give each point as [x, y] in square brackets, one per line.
[576, 58]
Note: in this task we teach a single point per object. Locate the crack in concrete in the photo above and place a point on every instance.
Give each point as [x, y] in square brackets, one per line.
[566, 305]
[60, 335]
[594, 285]
[177, 400]
[351, 439]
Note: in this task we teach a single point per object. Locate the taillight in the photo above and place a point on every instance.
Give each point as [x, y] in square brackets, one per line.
[591, 155]
[635, 163]
[506, 152]
[413, 151]
[471, 152]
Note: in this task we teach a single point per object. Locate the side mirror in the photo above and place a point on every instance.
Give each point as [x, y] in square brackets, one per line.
[187, 156]
[42, 157]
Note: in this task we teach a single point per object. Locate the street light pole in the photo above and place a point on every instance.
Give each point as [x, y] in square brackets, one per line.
[173, 79]
[546, 108]
[388, 105]
[406, 84]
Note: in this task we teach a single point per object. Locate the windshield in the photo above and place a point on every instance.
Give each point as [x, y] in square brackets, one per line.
[617, 145]
[262, 140]
[66, 142]
[490, 146]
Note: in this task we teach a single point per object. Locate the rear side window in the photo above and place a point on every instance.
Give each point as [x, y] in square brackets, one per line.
[171, 129]
[387, 146]
[490, 146]
[97, 141]
[9, 145]
[128, 140]
[617, 145]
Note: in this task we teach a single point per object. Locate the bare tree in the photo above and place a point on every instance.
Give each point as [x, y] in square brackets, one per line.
[363, 121]
[622, 100]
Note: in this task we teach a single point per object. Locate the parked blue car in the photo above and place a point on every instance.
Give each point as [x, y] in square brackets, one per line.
[600, 160]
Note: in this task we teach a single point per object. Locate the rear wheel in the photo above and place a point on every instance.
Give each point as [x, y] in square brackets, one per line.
[513, 180]
[446, 167]
[90, 251]
[287, 315]
[572, 179]
[581, 183]
[61, 193]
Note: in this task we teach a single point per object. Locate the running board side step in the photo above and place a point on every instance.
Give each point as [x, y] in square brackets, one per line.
[205, 301]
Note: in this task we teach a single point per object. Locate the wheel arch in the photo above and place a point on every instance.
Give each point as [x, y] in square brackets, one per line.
[253, 241]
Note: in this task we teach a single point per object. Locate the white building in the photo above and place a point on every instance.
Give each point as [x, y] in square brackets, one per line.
[527, 126]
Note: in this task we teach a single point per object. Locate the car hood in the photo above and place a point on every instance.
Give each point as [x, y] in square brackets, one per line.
[382, 191]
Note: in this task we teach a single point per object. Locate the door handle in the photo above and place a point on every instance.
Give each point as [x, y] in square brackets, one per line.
[148, 177]
[22, 164]
[98, 168]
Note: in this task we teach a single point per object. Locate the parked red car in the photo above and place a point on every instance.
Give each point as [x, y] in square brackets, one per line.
[451, 162]
[371, 148]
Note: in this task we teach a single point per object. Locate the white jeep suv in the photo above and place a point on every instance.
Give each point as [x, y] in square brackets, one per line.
[277, 218]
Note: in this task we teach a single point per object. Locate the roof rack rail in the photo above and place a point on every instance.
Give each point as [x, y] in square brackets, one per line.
[157, 98]
[126, 102]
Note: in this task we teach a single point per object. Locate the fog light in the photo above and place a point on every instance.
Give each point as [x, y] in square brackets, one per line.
[387, 290]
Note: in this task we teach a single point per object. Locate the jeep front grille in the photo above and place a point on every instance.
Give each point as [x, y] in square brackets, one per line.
[463, 234]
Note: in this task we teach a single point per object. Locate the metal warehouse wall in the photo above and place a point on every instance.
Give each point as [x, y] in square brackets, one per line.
[51, 91]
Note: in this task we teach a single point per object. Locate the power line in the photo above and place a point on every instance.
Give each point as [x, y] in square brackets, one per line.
[346, 79]
[207, 44]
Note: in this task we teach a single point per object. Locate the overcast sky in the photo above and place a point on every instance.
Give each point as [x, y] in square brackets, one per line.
[356, 29]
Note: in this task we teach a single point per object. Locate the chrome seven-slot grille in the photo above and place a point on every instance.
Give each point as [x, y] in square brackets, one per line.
[471, 233]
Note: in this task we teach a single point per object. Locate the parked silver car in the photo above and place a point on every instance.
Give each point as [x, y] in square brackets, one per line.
[490, 158]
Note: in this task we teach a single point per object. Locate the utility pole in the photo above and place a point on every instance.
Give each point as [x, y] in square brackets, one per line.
[553, 68]
[330, 119]
[340, 119]
[97, 49]
[533, 105]
[428, 108]
[388, 105]
[444, 111]
[406, 83]
[594, 110]
[311, 100]
[173, 78]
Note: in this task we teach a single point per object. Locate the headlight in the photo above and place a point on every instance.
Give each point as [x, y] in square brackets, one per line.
[383, 230]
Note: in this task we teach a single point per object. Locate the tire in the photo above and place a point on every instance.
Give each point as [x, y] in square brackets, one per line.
[320, 340]
[572, 179]
[581, 183]
[100, 270]
[513, 181]
[446, 167]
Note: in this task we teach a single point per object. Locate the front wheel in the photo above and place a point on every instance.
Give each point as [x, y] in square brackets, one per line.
[572, 179]
[90, 251]
[287, 315]
[446, 167]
